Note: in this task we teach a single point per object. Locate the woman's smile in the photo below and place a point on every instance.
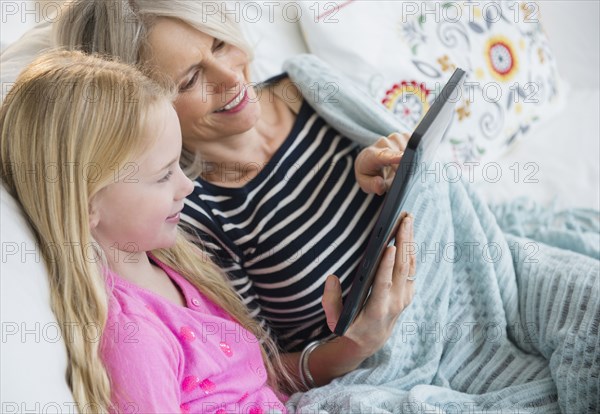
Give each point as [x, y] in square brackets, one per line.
[236, 104]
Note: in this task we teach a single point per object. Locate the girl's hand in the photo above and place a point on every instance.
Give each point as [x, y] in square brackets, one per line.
[376, 164]
[392, 292]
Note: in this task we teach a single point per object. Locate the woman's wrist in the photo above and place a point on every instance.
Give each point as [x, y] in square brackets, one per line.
[327, 361]
[334, 358]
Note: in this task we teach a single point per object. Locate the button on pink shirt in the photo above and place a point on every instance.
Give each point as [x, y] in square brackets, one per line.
[165, 358]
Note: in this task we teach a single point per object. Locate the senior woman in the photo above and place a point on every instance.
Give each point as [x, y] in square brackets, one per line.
[277, 190]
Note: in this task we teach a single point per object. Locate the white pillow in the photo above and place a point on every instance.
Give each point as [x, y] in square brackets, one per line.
[33, 353]
[574, 33]
[403, 52]
[273, 30]
[18, 55]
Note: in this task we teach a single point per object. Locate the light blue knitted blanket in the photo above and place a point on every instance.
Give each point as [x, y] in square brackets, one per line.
[499, 323]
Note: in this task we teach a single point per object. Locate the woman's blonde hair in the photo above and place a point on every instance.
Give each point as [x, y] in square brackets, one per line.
[67, 123]
[120, 28]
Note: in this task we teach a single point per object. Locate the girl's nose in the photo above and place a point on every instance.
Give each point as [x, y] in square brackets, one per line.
[185, 185]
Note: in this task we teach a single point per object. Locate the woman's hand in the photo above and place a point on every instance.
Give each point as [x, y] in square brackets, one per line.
[392, 292]
[376, 165]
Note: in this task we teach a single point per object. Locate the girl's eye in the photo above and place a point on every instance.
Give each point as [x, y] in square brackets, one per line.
[190, 83]
[166, 177]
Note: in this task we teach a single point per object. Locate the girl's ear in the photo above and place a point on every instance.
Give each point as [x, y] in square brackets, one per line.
[94, 213]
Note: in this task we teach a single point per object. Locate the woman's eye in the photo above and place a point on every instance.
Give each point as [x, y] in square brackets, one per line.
[190, 83]
[166, 177]
[219, 45]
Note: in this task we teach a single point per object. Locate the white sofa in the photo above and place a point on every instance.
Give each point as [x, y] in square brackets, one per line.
[33, 355]
[565, 148]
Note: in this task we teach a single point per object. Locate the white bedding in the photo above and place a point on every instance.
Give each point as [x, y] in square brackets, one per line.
[562, 155]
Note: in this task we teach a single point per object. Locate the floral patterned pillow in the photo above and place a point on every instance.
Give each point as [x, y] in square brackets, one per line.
[404, 52]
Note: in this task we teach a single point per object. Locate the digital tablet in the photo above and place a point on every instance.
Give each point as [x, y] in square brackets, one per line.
[418, 153]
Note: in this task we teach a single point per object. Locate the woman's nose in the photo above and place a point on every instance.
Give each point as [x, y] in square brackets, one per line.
[225, 77]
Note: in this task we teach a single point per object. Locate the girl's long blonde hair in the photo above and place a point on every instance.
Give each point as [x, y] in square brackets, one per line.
[66, 126]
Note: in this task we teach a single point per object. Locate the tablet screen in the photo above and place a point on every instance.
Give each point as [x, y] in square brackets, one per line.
[418, 155]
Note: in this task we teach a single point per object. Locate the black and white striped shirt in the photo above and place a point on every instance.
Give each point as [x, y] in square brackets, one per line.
[300, 219]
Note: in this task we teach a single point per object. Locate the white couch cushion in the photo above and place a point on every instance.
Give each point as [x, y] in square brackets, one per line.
[33, 353]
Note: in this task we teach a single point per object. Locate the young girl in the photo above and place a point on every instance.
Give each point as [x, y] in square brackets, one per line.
[90, 148]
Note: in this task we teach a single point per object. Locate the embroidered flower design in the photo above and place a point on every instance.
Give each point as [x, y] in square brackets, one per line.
[412, 35]
[466, 149]
[408, 101]
[463, 111]
[501, 58]
[446, 64]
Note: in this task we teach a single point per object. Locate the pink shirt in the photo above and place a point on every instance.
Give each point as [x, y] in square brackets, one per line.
[165, 358]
